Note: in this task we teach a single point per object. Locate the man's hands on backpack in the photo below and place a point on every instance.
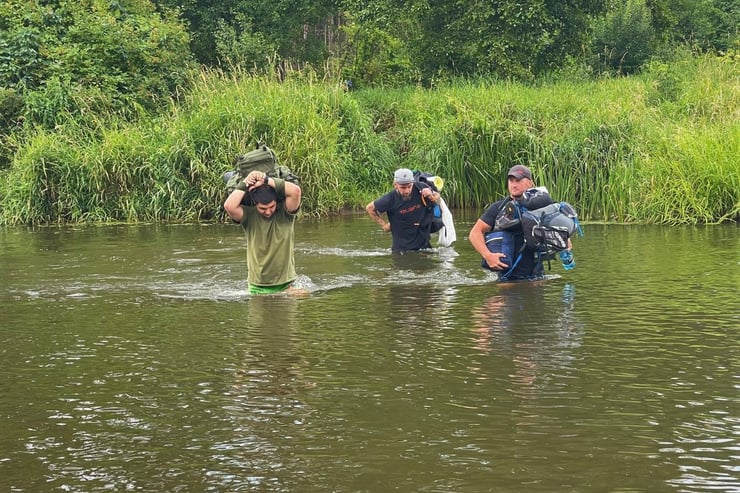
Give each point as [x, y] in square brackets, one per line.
[497, 261]
[255, 179]
[428, 193]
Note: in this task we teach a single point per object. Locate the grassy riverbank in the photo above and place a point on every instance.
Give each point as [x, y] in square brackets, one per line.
[658, 148]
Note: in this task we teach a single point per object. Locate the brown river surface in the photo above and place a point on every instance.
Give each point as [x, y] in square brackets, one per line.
[133, 360]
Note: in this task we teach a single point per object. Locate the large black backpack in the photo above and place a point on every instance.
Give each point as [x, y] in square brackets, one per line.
[433, 219]
[260, 159]
[547, 225]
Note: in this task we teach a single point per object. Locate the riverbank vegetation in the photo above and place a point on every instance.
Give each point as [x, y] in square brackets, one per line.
[661, 147]
[131, 110]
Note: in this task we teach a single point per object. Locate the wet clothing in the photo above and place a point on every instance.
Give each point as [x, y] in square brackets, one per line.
[270, 246]
[528, 267]
[409, 229]
[254, 289]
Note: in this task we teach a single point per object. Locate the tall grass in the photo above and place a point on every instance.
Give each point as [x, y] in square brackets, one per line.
[580, 148]
[659, 148]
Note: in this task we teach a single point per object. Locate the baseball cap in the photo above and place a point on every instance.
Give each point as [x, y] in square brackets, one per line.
[519, 171]
[403, 176]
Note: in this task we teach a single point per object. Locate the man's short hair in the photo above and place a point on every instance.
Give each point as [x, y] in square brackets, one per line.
[263, 194]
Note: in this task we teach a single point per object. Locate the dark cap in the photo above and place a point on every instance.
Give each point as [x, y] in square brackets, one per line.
[519, 172]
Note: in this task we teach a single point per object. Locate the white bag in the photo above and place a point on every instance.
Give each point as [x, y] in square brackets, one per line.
[447, 234]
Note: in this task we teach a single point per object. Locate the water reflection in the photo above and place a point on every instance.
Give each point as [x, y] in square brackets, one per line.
[536, 331]
[261, 405]
[421, 291]
[134, 360]
[417, 262]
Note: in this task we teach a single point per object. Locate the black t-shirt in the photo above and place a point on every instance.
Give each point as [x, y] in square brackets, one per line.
[405, 218]
[528, 267]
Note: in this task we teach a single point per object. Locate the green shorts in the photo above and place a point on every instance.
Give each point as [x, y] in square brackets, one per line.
[279, 288]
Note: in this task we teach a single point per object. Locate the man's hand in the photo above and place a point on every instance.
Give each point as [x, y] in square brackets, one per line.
[428, 193]
[255, 179]
[370, 208]
[494, 261]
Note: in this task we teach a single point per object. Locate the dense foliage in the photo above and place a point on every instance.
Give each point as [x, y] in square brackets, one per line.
[63, 60]
[452, 38]
[68, 62]
[128, 52]
[96, 89]
[660, 148]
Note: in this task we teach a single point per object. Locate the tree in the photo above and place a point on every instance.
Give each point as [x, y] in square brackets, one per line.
[710, 25]
[502, 38]
[252, 32]
[631, 33]
[379, 38]
[81, 61]
[56, 54]
[624, 37]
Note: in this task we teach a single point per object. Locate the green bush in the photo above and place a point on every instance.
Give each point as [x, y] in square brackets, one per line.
[624, 37]
[55, 54]
[622, 149]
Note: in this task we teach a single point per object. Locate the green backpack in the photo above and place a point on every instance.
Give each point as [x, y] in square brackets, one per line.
[260, 159]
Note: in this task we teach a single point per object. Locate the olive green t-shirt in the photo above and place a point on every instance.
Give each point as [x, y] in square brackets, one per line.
[270, 245]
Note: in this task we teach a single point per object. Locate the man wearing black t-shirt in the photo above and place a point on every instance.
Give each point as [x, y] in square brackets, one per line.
[519, 180]
[406, 206]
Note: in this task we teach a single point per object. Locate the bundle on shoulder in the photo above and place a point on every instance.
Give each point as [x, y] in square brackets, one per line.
[547, 225]
[439, 219]
[262, 158]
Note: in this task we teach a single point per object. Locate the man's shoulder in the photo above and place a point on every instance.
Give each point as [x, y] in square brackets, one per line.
[386, 201]
[492, 210]
[282, 215]
[499, 203]
[496, 206]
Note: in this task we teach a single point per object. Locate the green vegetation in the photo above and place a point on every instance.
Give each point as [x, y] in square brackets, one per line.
[660, 147]
[66, 61]
[130, 110]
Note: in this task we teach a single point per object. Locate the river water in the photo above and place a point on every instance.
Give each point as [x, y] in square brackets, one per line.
[133, 360]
